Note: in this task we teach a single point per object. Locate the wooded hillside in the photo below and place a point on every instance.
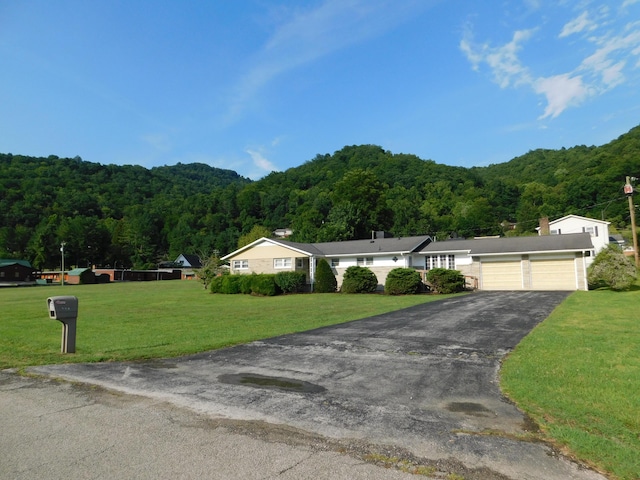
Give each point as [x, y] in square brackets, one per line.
[135, 217]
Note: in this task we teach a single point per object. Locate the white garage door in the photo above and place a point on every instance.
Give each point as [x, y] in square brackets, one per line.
[501, 275]
[553, 274]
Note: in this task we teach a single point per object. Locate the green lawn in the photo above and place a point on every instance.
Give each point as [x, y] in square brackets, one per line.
[578, 375]
[137, 320]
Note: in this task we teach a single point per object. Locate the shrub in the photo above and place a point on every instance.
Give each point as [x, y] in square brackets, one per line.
[611, 269]
[402, 281]
[443, 280]
[245, 283]
[231, 284]
[325, 281]
[264, 284]
[215, 284]
[359, 280]
[291, 282]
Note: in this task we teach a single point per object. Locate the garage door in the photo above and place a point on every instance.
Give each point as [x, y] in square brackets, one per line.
[553, 274]
[501, 275]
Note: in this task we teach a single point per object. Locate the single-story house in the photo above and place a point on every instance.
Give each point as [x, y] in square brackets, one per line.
[549, 262]
[380, 254]
[80, 276]
[13, 271]
[552, 262]
[597, 229]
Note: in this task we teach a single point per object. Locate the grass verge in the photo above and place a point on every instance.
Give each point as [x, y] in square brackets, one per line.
[578, 375]
[140, 320]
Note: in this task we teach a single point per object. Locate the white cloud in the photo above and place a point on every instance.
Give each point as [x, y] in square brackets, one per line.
[308, 35]
[626, 3]
[503, 61]
[561, 91]
[261, 162]
[601, 70]
[578, 25]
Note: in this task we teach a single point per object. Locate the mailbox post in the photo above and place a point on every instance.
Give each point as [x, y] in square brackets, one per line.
[65, 310]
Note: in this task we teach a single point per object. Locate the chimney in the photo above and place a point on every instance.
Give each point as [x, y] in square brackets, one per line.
[544, 226]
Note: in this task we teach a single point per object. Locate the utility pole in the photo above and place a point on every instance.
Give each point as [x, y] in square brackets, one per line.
[628, 190]
[62, 272]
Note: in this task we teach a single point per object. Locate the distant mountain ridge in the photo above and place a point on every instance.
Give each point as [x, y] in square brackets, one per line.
[133, 216]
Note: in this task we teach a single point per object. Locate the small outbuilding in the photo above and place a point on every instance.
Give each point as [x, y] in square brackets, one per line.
[81, 276]
[16, 272]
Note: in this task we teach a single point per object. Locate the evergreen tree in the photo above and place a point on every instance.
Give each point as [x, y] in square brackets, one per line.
[325, 279]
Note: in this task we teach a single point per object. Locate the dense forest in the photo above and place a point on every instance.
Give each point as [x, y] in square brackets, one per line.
[129, 216]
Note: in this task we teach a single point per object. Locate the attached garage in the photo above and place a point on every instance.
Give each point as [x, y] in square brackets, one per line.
[501, 275]
[546, 262]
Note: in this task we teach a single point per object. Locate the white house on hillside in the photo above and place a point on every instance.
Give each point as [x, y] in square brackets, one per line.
[597, 229]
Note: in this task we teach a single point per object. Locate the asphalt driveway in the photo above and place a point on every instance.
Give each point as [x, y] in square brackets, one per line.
[423, 380]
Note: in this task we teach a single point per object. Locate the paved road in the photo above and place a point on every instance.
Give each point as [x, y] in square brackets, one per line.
[419, 384]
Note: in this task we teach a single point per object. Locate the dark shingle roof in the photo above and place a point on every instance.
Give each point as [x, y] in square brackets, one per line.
[192, 260]
[364, 247]
[487, 246]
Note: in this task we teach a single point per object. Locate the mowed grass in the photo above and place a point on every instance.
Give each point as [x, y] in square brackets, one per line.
[578, 375]
[140, 320]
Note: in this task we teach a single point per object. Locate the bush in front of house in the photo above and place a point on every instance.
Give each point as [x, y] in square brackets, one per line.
[291, 282]
[403, 281]
[325, 281]
[215, 284]
[231, 284]
[443, 280]
[611, 269]
[246, 282]
[264, 284]
[359, 280]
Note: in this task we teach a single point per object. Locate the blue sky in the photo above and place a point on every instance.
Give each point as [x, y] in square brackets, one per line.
[262, 85]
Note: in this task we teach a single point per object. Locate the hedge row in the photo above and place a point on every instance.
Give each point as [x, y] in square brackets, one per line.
[400, 281]
[264, 284]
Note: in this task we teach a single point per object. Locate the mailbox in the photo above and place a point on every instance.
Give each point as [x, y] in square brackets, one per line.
[65, 310]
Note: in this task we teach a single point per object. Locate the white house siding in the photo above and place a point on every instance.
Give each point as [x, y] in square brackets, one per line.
[598, 229]
[381, 266]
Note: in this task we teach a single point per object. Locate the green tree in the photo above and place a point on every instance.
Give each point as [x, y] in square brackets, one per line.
[325, 280]
[611, 268]
[211, 268]
[256, 233]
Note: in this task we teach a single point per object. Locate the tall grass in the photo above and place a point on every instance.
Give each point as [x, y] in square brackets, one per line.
[578, 375]
[138, 320]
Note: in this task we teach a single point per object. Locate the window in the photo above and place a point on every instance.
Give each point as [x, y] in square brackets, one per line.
[364, 261]
[440, 261]
[299, 263]
[240, 264]
[281, 263]
[593, 231]
[335, 262]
